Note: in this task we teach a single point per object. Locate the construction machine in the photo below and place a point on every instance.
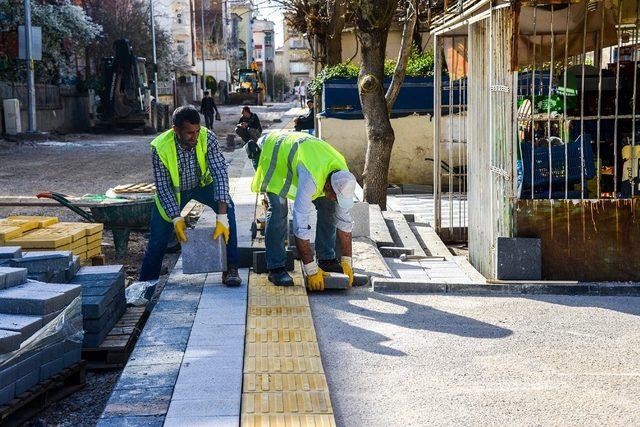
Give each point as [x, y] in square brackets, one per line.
[249, 86]
[124, 100]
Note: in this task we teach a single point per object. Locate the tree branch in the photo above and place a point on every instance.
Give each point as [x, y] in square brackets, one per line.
[403, 54]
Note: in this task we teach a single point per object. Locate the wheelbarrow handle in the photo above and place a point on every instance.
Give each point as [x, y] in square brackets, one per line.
[60, 198]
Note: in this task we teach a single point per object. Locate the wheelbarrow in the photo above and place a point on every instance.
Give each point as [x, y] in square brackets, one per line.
[119, 217]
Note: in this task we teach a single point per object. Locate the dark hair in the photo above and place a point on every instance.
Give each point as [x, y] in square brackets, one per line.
[186, 113]
[206, 92]
[309, 100]
[246, 108]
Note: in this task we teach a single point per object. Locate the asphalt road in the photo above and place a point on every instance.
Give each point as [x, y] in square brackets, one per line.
[405, 360]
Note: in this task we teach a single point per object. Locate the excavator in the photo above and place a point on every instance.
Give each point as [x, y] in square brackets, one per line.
[249, 88]
[124, 100]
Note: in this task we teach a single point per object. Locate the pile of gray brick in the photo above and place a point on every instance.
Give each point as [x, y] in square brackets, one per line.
[103, 300]
[43, 266]
[40, 330]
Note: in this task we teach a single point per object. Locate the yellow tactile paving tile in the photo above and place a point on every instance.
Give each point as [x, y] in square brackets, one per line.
[283, 381]
[24, 225]
[8, 232]
[288, 420]
[287, 402]
[282, 349]
[93, 252]
[281, 322]
[96, 244]
[260, 382]
[42, 239]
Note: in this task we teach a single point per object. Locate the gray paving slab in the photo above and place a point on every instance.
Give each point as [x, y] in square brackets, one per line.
[98, 270]
[26, 325]
[131, 421]
[203, 408]
[221, 421]
[138, 402]
[401, 232]
[379, 232]
[22, 300]
[152, 375]
[12, 276]
[7, 393]
[158, 354]
[169, 337]
[27, 381]
[43, 261]
[8, 375]
[9, 252]
[519, 258]
[479, 360]
[49, 369]
[10, 341]
[360, 214]
[202, 254]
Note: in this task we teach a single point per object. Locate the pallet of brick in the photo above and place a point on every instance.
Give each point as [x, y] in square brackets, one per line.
[40, 334]
[103, 300]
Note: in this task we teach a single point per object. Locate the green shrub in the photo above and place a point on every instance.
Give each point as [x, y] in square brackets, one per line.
[418, 65]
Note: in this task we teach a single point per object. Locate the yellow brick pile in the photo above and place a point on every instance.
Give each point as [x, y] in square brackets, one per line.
[37, 233]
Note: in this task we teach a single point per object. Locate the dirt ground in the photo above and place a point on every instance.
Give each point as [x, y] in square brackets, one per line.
[79, 164]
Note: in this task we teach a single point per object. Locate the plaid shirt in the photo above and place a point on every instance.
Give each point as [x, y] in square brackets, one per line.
[190, 174]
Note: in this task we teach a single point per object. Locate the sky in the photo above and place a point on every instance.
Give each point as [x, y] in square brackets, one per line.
[270, 10]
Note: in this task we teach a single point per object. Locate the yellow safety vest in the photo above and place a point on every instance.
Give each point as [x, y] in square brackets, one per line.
[281, 153]
[165, 146]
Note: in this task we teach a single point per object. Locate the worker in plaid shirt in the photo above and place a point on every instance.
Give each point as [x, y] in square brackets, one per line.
[188, 164]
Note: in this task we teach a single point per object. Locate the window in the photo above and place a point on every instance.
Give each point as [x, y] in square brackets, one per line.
[179, 18]
[268, 38]
[258, 53]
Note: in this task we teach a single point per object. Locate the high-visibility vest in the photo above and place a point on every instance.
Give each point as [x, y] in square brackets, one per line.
[283, 151]
[165, 146]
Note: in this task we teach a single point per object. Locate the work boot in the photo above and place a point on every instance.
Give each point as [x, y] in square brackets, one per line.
[231, 277]
[280, 277]
[330, 265]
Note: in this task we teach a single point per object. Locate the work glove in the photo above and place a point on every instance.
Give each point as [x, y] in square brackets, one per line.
[180, 227]
[346, 264]
[222, 227]
[315, 276]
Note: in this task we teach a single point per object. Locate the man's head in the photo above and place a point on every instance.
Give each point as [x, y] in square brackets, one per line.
[341, 187]
[246, 112]
[310, 104]
[206, 93]
[186, 125]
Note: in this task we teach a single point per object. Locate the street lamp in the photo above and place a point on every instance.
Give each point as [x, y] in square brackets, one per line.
[153, 45]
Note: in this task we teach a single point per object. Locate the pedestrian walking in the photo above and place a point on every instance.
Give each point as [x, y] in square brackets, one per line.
[302, 93]
[208, 108]
[309, 171]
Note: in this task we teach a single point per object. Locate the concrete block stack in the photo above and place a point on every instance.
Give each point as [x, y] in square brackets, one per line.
[40, 330]
[47, 266]
[103, 300]
[35, 233]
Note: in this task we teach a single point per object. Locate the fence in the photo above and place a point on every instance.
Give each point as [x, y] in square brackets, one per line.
[47, 96]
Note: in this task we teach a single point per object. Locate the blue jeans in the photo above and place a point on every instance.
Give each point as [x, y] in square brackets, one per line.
[276, 230]
[162, 230]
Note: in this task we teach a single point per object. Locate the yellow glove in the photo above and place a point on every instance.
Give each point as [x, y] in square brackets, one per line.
[180, 227]
[345, 262]
[315, 276]
[222, 227]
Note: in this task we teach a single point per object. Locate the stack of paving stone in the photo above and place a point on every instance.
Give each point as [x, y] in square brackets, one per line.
[43, 266]
[103, 300]
[46, 233]
[40, 330]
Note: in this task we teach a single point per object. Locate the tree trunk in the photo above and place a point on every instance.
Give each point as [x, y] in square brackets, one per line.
[335, 11]
[380, 134]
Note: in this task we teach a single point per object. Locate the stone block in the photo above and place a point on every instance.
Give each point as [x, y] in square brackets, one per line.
[519, 258]
[49, 369]
[12, 276]
[138, 402]
[260, 261]
[141, 376]
[360, 215]
[385, 284]
[53, 352]
[8, 375]
[93, 340]
[202, 254]
[94, 307]
[36, 298]
[245, 253]
[27, 381]
[28, 363]
[44, 261]
[98, 270]
[395, 251]
[10, 252]
[7, 393]
[132, 421]
[336, 281]
[26, 325]
[378, 230]
[72, 357]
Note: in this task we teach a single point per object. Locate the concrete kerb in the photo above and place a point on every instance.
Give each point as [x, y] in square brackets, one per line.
[392, 285]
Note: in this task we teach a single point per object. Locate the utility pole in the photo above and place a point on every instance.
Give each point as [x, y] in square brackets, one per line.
[31, 86]
[224, 40]
[250, 36]
[153, 45]
[203, 48]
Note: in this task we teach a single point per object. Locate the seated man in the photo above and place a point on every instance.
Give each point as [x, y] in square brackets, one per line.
[249, 129]
[307, 121]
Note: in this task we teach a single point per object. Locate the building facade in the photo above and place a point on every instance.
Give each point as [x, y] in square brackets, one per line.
[293, 59]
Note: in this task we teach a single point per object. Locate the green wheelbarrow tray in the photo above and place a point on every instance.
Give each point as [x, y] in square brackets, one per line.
[121, 217]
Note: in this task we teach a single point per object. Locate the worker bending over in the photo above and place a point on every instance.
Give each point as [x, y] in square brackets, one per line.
[315, 175]
[188, 164]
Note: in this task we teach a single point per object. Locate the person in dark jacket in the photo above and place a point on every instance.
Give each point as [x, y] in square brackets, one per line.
[250, 129]
[307, 121]
[207, 108]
